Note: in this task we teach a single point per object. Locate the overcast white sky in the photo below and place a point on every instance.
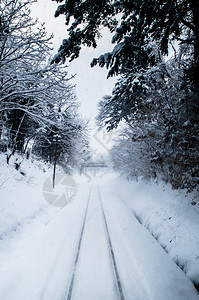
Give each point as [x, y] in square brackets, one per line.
[91, 83]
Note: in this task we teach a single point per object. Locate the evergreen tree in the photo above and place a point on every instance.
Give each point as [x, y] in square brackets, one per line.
[140, 23]
[159, 101]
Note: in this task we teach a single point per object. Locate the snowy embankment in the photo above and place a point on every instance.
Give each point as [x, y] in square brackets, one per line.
[170, 217]
[20, 196]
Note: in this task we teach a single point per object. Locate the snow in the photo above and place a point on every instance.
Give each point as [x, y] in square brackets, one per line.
[158, 274]
[39, 241]
[170, 218]
[94, 264]
[33, 240]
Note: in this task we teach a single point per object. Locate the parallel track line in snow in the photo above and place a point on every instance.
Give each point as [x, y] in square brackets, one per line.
[70, 290]
[43, 294]
[118, 280]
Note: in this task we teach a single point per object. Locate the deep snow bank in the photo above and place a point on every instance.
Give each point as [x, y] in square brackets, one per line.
[168, 215]
[21, 197]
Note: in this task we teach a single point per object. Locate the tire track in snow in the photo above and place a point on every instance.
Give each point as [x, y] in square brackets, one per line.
[70, 289]
[116, 272]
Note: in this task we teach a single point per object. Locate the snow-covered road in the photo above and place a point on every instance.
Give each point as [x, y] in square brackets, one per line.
[92, 249]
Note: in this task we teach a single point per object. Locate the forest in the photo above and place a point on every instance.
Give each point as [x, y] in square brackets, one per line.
[156, 56]
[38, 105]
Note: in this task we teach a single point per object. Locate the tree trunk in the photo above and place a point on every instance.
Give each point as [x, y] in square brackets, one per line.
[55, 162]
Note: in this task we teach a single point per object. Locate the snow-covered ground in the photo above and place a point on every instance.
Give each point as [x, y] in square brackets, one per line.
[170, 217]
[49, 252]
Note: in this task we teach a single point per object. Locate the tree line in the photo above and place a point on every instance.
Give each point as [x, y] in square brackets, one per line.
[38, 106]
[156, 55]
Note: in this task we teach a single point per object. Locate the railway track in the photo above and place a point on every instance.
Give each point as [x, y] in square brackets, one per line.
[114, 263]
[70, 290]
[112, 258]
